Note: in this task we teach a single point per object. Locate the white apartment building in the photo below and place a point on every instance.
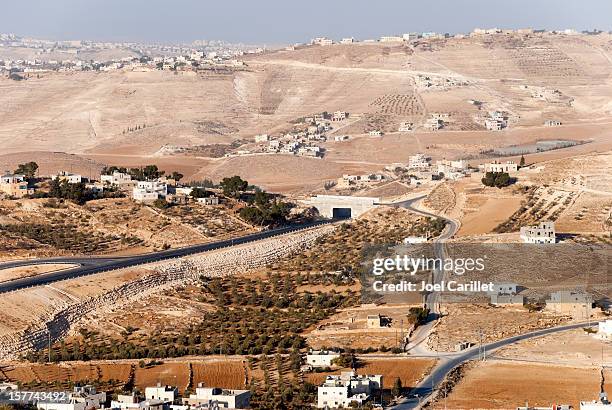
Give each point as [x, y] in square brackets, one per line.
[544, 232]
[321, 358]
[346, 388]
[347, 40]
[221, 398]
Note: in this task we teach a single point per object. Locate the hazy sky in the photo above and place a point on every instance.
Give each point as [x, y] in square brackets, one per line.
[286, 21]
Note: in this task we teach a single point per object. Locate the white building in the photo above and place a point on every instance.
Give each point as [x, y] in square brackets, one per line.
[605, 330]
[131, 402]
[80, 398]
[347, 40]
[209, 200]
[340, 138]
[509, 166]
[68, 177]
[340, 116]
[117, 178]
[542, 233]
[321, 358]
[15, 185]
[166, 394]
[414, 239]
[493, 125]
[221, 398]
[602, 404]
[405, 126]
[346, 388]
[433, 124]
[322, 41]
[552, 123]
[391, 39]
[262, 138]
[419, 161]
[375, 133]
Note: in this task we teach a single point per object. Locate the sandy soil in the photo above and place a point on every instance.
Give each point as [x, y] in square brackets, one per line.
[575, 348]
[503, 385]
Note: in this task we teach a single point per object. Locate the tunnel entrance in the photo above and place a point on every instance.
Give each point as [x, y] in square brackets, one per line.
[341, 213]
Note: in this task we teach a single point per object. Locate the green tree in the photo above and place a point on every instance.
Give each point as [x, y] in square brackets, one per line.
[177, 176]
[497, 179]
[199, 193]
[28, 169]
[232, 187]
[522, 163]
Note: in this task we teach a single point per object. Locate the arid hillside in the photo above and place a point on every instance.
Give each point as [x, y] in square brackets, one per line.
[187, 118]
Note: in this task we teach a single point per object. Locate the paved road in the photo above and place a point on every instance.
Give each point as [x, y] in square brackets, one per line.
[91, 265]
[424, 389]
[431, 299]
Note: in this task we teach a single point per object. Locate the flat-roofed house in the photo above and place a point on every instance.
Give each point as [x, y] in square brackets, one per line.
[68, 177]
[321, 358]
[340, 116]
[167, 394]
[347, 389]
[544, 232]
[508, 166]
[374, 321]
[116, 178]
[15, 185]
[219, 398]
[575, 304]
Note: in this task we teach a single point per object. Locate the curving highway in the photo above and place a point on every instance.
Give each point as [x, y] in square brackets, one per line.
[91, 265]
[431, 299]
[422, 392]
